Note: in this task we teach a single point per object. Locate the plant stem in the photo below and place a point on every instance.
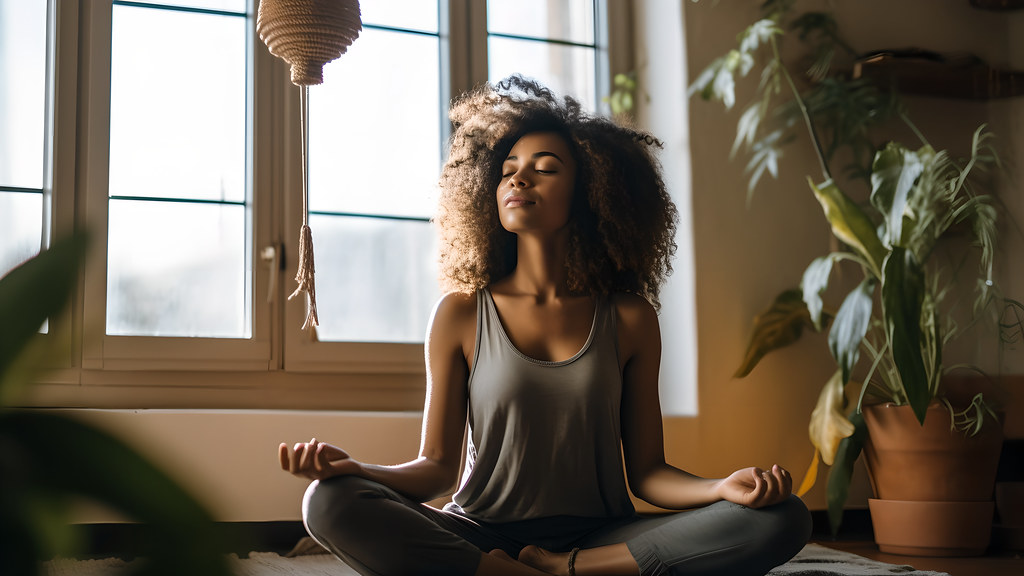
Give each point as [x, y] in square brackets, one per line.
[803, 111]
[913, 127]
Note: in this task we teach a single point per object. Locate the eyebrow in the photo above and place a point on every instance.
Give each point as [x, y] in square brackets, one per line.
[540, 154]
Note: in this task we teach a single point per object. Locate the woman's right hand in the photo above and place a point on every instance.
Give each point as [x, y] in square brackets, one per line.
[316, 460]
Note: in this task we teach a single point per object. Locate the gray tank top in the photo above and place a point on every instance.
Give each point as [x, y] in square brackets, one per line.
[544, 437]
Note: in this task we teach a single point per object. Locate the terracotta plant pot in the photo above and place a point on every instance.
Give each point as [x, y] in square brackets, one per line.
[908, 461]
[917, 528]
[933, 484]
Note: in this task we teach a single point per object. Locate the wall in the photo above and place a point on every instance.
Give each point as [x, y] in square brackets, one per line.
[228, 459]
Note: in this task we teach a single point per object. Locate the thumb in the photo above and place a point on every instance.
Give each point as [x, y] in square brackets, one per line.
[332, 452]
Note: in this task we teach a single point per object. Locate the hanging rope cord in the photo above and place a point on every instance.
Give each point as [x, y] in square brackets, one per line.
[307, 34]
[305, 275]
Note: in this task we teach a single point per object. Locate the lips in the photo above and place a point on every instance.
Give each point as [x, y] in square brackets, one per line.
[513, 200]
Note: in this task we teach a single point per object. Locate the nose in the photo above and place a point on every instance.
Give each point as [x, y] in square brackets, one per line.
[517, 180]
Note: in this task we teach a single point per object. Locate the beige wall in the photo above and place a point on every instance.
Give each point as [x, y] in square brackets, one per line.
[228, 459]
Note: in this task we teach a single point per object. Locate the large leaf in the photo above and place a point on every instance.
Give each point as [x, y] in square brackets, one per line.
[34, 291]
[838, 487]
[814, 282]
[902, 295]
[50, 456]
[893, 174]
[778, 326]
[829, 424]
[849, 223]
[850, 326]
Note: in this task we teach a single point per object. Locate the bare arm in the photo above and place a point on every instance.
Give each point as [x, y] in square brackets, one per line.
[435, 471]
[650, 477]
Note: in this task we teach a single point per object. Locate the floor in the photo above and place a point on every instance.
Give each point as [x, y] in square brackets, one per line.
[995, 563]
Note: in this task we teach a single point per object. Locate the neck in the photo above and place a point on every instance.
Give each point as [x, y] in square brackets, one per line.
[540, 267]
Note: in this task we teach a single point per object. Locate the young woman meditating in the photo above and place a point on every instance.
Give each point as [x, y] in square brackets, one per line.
[556, 234]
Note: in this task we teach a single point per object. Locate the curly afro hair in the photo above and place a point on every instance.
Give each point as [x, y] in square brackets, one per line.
[622, 221]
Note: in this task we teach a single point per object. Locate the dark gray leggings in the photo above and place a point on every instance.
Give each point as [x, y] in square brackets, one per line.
[378, 532]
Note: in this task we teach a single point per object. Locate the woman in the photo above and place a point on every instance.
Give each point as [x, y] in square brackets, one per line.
[556, 234]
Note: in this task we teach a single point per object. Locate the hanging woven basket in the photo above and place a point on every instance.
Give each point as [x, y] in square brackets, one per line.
[308, 33]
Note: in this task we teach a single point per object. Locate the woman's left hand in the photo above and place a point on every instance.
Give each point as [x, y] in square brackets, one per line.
[756, 488]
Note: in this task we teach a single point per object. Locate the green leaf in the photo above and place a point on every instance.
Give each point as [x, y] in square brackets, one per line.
[838, 487]
[849, 223]
[746, 127]
[36, 290]
[893, 174]
[850, 326]
[778, 326]
[814, 282]
[902, 296]
[55, 456]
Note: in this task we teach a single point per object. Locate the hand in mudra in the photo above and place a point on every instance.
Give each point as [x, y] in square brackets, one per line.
[756, 488]
[316, 460]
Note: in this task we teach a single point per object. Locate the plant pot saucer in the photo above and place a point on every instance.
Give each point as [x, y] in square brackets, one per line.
[921, 528]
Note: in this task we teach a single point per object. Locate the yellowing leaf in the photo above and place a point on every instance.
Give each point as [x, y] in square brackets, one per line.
[828, 423]
[778, 326]
[849, 223]
[810, 477]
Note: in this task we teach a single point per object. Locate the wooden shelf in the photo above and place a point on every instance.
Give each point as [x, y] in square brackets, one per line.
[922, 72]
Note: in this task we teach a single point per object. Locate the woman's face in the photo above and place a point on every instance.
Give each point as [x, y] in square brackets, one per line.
[537, 182]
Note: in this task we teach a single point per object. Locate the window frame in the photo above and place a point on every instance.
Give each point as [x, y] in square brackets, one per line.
[280, 366]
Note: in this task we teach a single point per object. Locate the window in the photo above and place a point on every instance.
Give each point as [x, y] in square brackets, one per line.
[23, 97]
[372, 176]
[178, 208]
[558, 43]
[167, 129]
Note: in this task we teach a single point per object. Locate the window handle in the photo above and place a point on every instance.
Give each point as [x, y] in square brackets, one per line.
[271, 257]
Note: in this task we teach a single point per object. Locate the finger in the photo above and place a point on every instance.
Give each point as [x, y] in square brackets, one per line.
[787, 480]
[282, 455]
[306, 460]
[320, 459]
[771, 483]
[293, 458]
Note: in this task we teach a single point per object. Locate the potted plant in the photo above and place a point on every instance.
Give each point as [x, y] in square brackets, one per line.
[909, 243]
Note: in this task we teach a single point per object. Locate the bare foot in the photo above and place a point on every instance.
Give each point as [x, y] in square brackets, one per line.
[499, 553]
[545, 561]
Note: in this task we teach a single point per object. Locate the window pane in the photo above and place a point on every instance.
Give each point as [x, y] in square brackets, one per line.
[228, 5]
[21, 222]
[411, 14]
[376, 279]
[374, 135]
[177, 269]
[177, 105]
[568, 70]
[22, 92]
[568, 20]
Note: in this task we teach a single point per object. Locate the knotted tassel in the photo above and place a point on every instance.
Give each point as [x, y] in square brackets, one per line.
[305, 277]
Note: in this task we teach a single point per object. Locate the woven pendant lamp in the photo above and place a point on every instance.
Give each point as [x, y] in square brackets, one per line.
[307, 34]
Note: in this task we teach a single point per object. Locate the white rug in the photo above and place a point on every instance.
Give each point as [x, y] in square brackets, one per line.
[813, 560]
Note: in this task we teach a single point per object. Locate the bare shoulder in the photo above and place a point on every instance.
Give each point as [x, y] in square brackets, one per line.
[634, 312]
[455, 307]
[453, 323]
[637, 324]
